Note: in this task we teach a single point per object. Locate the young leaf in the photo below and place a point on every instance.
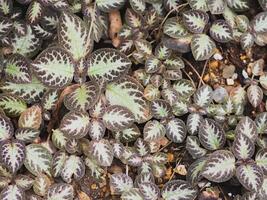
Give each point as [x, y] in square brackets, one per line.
[75, 124]
[221, 31]
[59, 139]
[152, 64]
[174, 28]
[12, 105]
[202, 47]
[54, 67]
[38, 159]
[143, 46]
[255, 95]
[193, 175]
[41, 184]
[129, 134]
[195, 20]
[176, 130]
[27, 135]
[170, 95]
[120, 183]
[246, 40]
[133, 19]
[261, 122]
[12, 192]
[247, 127]
[160, 109]
[60, 191]
[178, 189]
[34, 12]
[59, 160]
[211, 135]
[6, 26]
[250, 176]
[153, 130]
[193, 147]
[243, 147]
[96, 129]
[193, 123]
[142, 147]
[220, 166]
[31, 118]
[107, 64]
[6, 7]
[199, 5]
[117, 118]
[184, 88]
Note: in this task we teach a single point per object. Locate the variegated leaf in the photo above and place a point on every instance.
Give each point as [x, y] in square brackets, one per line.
[263, 190]
[178, 189]
[174, 28]
[128, 92]
[247, 127]
[176, 130]
[193, 123]
[5, 26]
[109, 5]
[261, 122]
[34, 12]
[174, 63]
[202, 46]
[142, 147]
[263, 4]
[198, 5]
[172, 74]
[216, 7]
[180, 107]
[54, 67]
[25, 182]
[102, 151]
[17, 69]
[41, 184]
[75, 124]
[243, 147]
[107, 64]
[160, 109]
[143, 46]
[195, 20]
[41, 32]
[138, 6]
[74, 35]
[184, 87]
[73, 168]
[6, 128]
[118, 149]
[239, 5]
[211, 135]
[12, 105]
[247, 40]
[193, 147]
[153, 130]
[59, 139]
[31, 118]
[259, 23]
[12, 154]
[261, 160]
[221, 31]
[152, 64]
[49, 99]
[170, 95]
[242, 22]
[60, 191]
[38, 159]
[117, 118]
[133, 19]
[193, 175]
[96, 129]
[145, 177]
[98, 110]
[162, 52]
[238, 95]
[250, 176]
[220, 166]
[120, 183]
[27, 135]
[12, 192]
[94, 169]
[129, 134]
[132, 194]
[59, 160]
[151, 92]
[6, 7]
[203, 96]
[150, 191]
[255, 95]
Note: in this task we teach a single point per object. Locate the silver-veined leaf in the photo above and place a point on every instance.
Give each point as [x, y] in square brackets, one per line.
[242, 22]
[247, 127]
[143, 46]
[150, 191]
[261, 160]
[255, 95]
[145, 177]
[120, 183]
[12, 192]
[211, 135]
[6, 7]
[138, 6]
[239, 5]
[151, 92]
[12, 105]
[195, 20]
[220, 166]
[133, 19]
[152, 64]
[73, 168]
[59, 139]
[216, 7]
[107, 64]
[38, 159]
[117, 118]
[94, 169]
[261, 122]
[170, 95]
[25, 182]
[96, 129]
[59, 159]
[178, 189]
[73, 35]
[160, 109]
[128, 92]
[102, 151]
[142, 147]
[31, 118]
[246, 40]
[83, 97]
[118, 149]
[193, 147]
[174, 63]
[6, 128]
[27, 135]
[34, 12]
[132, 194]
[221, 31]
[109, 5]
[259, 23]
[12, 154]
[54, 67]
[162, 52]
[199, 5]
[174, 28]
[5, 26]
[263, 190]
[60, 191]
[193, 175]
[129, 134]
[202, 46]
[153, 130]
[49, 99]
[263, 4]
[250, 176]
[176, 130]
[184, 87]
[75, 124]
[193, 123]
[203, 96]
[17, 69]
[243, 147]
[41, 184]
[180, 107]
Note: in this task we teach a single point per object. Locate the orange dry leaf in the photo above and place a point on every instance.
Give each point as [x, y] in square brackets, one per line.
[115, 27]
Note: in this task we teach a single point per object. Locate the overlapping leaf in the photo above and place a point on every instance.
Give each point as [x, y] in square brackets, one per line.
[243, 147]
[109, 5]
[176, 130]
[12, 105]
[221, 31]
[12, 192]
[120, 183]
[6, 128]
[102, 151]
[255, 95]
[216, 7]
[261, 160]
[195, 20]
[174, 28]
[247, 127]
[153, 130]
[193, 147]
[194, 171]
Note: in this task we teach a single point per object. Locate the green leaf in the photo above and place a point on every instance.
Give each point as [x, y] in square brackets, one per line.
[12, 105]
[6, 128]
[195, 20]
[109, 5]
[221, 31]
[174, 28]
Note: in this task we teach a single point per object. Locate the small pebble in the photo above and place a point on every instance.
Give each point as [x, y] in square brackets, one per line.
[228, 71]
[217, 56]
[230, 81]
[245, 74]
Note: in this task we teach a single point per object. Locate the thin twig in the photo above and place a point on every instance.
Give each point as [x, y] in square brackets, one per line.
[164, 146]
[193, 68]
[188, 76]
[203, 72]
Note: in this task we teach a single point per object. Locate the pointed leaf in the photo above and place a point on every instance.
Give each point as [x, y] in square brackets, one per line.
[153, 130]
[120, 183]
[109, 5]
[243, 147]
[12, 105]
[193, 147]
[195, 20]
[193, 175]
[247, 127]
[174, 28]
[221, 31]
[60, 191]
[193, 123]
[255, 95]
[176, 130]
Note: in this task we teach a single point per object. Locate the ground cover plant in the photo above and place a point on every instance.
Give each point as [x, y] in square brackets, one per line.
[133, 99]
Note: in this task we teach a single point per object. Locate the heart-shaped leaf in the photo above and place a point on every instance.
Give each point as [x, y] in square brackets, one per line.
[73, 168]
[255, 95]
[193, 175]
[221, 31]
[120, 183]
[12, 192]
[211, 135]
[195, 20]
[54, 67]
[117, 118]
[128, 92]
[193, 147]
[75, 124]
[12, 105]
[12, 154]
[74, 35]
[178, 189]
[261, 160]
[193, 123]
[176, 130]
[38, 159]
[220, 166]
[153, 130]
[60, 191]
[247, 127]
[243, 147]
[174, 28]
[250, 176]
[102, 151]
[216, 7]
[202, 46]
[107, 64]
